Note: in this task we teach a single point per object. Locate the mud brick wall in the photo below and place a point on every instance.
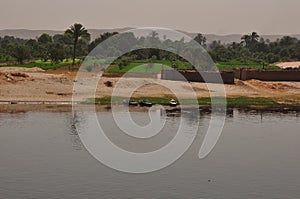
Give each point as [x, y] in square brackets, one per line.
[195, 76]
[268, 75]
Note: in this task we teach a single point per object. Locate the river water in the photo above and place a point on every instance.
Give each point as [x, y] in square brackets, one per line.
[257, 156]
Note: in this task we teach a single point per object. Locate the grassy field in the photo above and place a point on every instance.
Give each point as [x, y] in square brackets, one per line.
[156, 68]
[229, 65]
[231, 102]
[44, 65]
[144, 66]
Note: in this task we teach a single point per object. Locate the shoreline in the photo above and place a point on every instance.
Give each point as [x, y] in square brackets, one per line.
[23, 108]
[233, 102]
[55, 87]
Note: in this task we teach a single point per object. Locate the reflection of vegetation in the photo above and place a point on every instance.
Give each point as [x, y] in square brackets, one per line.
[231, 102]
[73, 132]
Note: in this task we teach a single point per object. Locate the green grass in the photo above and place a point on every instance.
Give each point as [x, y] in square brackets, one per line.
[229, 65]
[231, 102]
[133, 66]
[144, 68]
[44, 65]
[250, 101]
[158, 66]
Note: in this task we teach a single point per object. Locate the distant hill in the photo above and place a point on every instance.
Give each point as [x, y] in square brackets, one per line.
[29, 34]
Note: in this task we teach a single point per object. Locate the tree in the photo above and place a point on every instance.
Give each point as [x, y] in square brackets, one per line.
[287, 40]
[45, 39]
[153, 34]
[82, 48]
[200, 39]
[77, 32]
[250, 41]
[100, 39]
[215, 44]
[56, 52]
[21, 53]
[58, 38]
[33, 46]
[246, 40]
[254, 37]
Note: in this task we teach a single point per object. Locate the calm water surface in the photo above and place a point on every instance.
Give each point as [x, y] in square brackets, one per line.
[257, 156]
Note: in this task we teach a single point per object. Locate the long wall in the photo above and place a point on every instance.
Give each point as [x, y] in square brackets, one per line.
[268, 75]
[227, 77]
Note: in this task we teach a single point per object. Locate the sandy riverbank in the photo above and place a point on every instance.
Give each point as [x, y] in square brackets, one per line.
[21, 84]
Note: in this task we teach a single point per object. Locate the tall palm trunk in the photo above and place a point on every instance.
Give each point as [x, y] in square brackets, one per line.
[74, 53]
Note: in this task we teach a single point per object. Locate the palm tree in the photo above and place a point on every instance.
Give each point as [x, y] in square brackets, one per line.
[250, 40]
[201, 39]
[100, 39]
[246, 39]
[153, 34]
[77, 31]
[254, 36]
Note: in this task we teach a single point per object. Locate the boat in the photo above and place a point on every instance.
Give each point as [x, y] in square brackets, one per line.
[172, 102]
[130, 102]
[145, 103]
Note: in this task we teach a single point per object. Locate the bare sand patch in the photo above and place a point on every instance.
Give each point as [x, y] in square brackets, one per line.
[285, 65]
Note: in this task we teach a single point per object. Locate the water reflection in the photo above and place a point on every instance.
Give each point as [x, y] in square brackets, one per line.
[75, 139]
[205, 111]
[190, 115]
[254, 158]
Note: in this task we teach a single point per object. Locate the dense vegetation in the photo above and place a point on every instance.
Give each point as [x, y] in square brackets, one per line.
[74, 45]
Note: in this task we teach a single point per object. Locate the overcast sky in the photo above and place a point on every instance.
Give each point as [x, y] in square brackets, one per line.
[206, 16]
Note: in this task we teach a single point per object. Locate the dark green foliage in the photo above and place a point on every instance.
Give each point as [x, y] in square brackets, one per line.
[200, 39]
[253, 48]
[45, 39]
[21, 53]
[56, 52]
[78, 33]
[100, 39]
[252, 51]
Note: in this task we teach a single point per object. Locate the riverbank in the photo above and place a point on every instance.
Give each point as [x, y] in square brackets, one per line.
[56, 86]
[206, 101]
[25, 108]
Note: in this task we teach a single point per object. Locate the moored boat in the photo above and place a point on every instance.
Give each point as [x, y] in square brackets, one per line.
[172, 102]
[130, 102]
[145, 103]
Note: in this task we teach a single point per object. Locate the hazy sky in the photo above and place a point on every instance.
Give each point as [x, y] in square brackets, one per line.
[207, 16]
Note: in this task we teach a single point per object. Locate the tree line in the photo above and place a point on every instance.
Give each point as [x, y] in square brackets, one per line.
[76, 43]
[73, 43]
[255, 48]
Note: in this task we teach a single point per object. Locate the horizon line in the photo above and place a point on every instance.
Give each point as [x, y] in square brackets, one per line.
[223, 34]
